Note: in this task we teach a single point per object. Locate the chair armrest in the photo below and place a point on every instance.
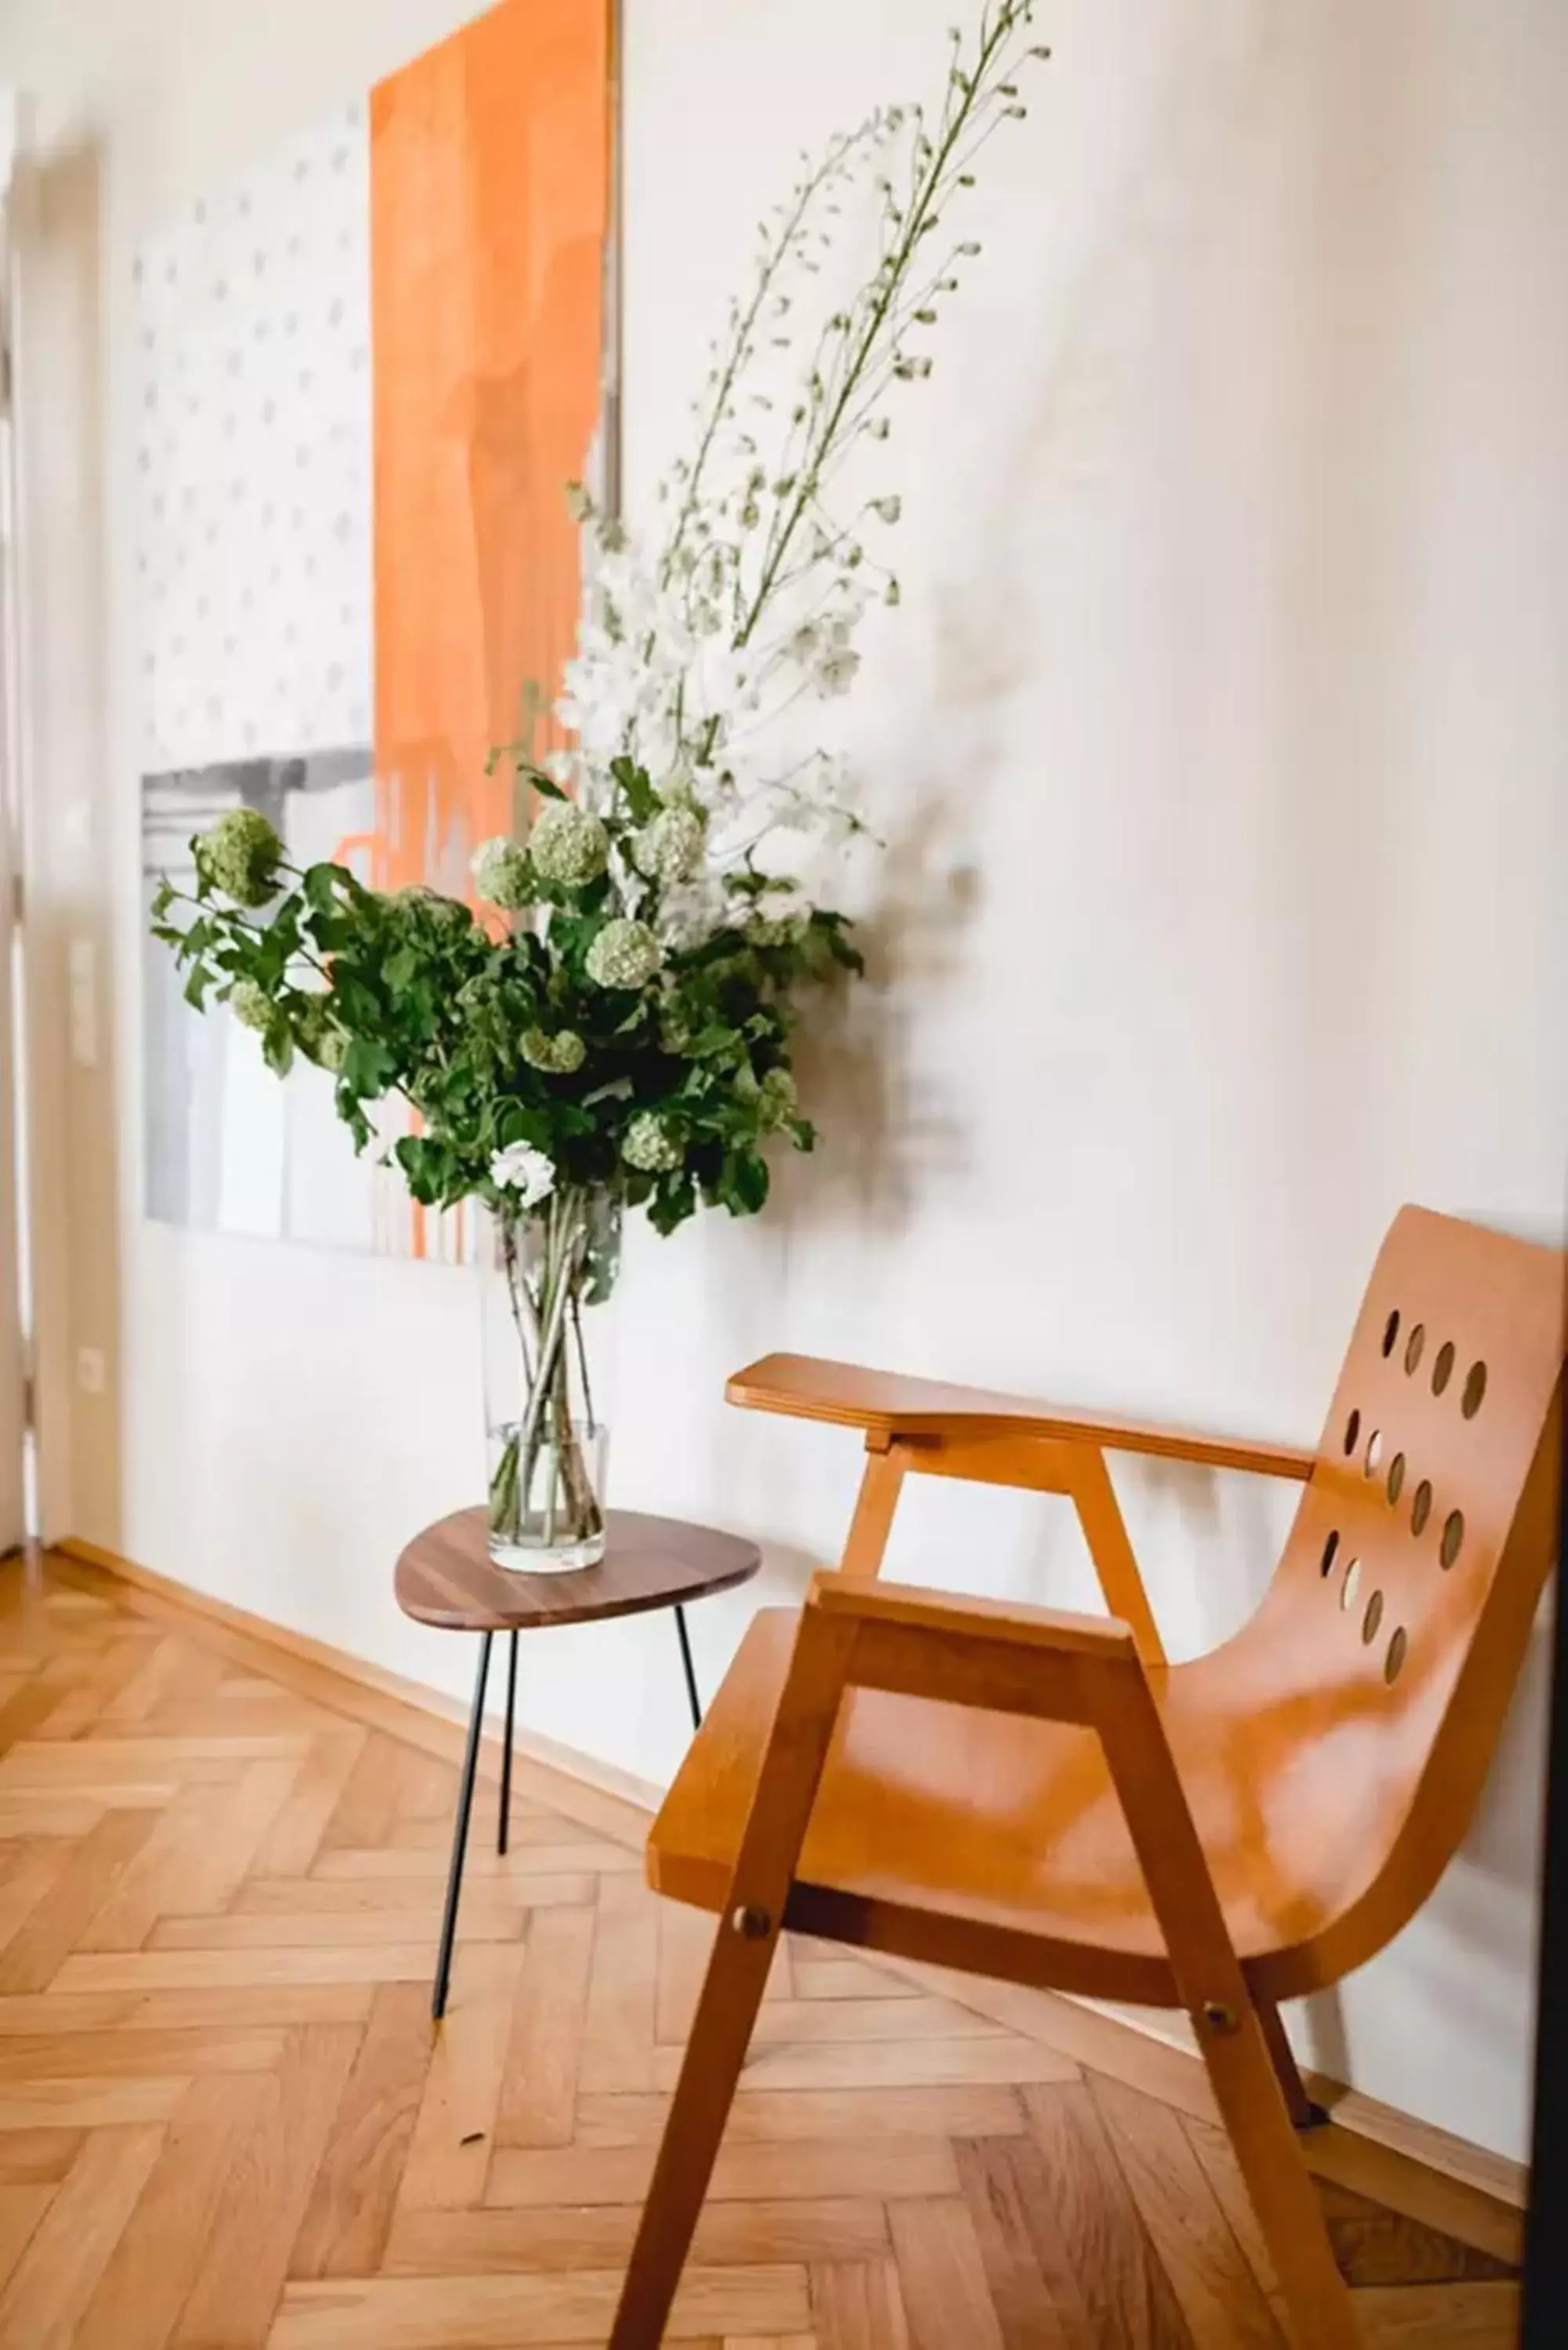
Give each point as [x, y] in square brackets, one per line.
[1064, 1632]
[888, 1405]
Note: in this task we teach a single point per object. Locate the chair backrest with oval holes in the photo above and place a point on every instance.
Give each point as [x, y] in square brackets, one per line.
[1415, 1568]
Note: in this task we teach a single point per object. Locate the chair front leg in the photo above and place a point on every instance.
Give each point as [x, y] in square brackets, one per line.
[737, 1976]
[1269, 2155]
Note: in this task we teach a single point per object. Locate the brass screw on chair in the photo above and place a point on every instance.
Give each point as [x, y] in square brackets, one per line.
[751, 1925]
[1217, 2017]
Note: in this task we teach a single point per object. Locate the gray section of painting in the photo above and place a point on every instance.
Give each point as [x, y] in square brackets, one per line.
[185, 1052]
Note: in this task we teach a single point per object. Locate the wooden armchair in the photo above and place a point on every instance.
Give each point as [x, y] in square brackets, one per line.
[1040, 1797]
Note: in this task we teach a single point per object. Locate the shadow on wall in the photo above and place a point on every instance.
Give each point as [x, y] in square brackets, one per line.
[69, 828]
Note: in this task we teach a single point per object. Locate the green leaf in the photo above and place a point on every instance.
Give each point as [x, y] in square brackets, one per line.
[716, 1039]
[369, 1067]
[277, 1048]
[546, 786]
[744, 1185]
[632, 782]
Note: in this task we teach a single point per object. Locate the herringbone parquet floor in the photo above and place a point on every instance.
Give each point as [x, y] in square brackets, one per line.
[226, 2121]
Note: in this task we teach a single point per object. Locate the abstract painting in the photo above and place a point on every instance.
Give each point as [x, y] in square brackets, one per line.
[369, 368]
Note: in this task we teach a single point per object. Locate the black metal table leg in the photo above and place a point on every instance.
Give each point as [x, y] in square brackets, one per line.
[505, 1830]
[460, 1833]
[691, 1674]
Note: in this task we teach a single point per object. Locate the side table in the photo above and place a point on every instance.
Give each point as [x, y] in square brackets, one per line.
[446, 1577]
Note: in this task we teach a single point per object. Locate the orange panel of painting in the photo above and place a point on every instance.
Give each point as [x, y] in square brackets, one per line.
[489, 180]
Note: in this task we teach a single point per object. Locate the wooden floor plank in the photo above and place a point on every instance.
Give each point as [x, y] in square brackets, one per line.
[39, 1946]
[947, 2296]
[58, 2275]
[549, 2237]
[779, 2115]
[1192, 2239]
[154, 2263]
[1439, 2318]
[1033, 2284]
[487, 2313]
[21, 2210]
[235, 2292]
[538, 2101]
[454, 2130]
[858, 2305]
[775, 2170]
[1127, 2292]
[350, 2211]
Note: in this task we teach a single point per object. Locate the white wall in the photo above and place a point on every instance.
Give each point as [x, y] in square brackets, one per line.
[1220, 745]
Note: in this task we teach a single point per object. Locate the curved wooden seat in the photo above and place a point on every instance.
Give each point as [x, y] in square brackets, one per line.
[997, 1842]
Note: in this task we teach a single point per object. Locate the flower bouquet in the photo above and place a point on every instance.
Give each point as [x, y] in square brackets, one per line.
[608, 1023]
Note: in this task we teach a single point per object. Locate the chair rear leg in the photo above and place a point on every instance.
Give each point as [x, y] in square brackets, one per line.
[1247, 2090]
[726, 2013]
[1304, 2111]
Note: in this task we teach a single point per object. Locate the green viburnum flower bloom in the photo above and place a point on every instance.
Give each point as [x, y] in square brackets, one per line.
[649, 1147]
[319, 1034]
[569, 845]
[250, 1005]
[774, 931]
[561, 1055]
[671, 848]
[777, 1099]
[624, 954]
[675, 1030]
[417, 898]
[240, 855]
[500, 869]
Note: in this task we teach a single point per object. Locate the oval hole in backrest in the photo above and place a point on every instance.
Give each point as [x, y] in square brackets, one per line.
[1394, 1662]
[1443, 1368]
[1352, 1431]
[1372, 1618]
[1422, 1507]
[1453, 1537]
[1391, 1331]
[1475, 1391]
[1350, 1585]
[1416, 1341]
[1374, 1452]
[1395, 1478]
[1329, 1548]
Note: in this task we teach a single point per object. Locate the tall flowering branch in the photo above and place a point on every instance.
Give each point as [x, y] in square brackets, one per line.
[703, 647]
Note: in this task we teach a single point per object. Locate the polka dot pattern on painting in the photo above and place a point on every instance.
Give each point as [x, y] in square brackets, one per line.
[254, 461]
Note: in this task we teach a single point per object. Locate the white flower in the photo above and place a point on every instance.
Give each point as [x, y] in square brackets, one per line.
[250, 1005]
[888, 509]
[624, 954]
[525, 1172]
[569, 845]
[669, 849]
[837, 671]
[500, 869]
[560, 1056]
[649, 1147]
[777, 1100]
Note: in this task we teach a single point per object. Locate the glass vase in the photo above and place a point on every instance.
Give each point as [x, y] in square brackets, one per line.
[546, 1446]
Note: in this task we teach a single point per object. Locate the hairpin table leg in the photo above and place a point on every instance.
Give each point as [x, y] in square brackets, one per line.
[685, 1640]
[504, 1829]
[460, 1833]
